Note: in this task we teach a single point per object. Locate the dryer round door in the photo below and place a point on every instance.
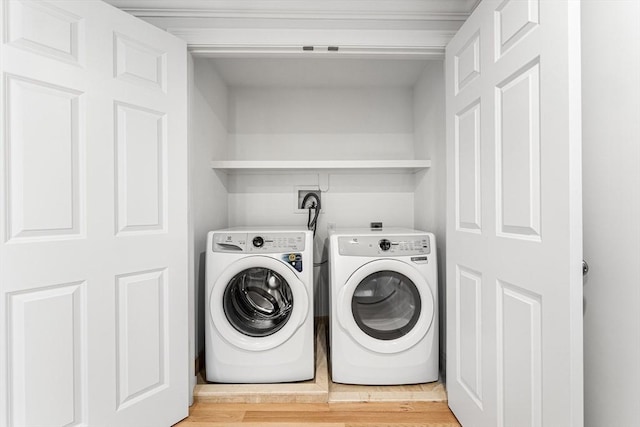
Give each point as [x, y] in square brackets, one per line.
[258, 303]
[386, 306]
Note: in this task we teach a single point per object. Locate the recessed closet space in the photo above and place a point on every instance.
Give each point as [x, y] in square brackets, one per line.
[367, 133]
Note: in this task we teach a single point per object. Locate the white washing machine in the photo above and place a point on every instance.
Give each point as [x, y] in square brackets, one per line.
[259, 306]
[384, 319]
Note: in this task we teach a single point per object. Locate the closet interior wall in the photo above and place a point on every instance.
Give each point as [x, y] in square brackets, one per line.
[208, 198]
[330, 109]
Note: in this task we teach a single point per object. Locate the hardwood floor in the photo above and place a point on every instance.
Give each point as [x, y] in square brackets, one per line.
[357, 414]
[319, 403]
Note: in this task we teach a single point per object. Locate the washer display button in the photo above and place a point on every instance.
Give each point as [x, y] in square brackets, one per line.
[258, 242]
[294, 260]
[385, 244]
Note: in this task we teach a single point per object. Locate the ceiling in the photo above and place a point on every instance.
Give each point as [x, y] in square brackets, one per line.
[319, 73]
[259, 42]
[179, 15]
[312, 9]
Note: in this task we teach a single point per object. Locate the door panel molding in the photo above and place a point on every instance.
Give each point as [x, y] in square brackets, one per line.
[519, 356]
[45, 29]
[35, 108]
[50, 353]
[517, 147]
[469, 325]
[141, 328]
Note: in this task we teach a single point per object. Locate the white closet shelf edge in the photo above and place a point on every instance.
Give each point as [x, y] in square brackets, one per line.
[231, 166]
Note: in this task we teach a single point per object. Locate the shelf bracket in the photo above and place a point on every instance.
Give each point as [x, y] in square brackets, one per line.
[323, 181]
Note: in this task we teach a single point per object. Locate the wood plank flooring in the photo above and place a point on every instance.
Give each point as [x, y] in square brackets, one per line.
[319, 403]
[357, 414]
[318, 390]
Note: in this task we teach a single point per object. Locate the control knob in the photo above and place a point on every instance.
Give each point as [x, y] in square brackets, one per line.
[385, 244]
[258, 242]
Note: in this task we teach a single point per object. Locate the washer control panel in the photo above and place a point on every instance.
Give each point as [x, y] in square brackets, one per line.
[387, 245]
[258, 243]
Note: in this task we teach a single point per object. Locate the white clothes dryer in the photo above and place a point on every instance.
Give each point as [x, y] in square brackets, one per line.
[259, 305]
[384, 317]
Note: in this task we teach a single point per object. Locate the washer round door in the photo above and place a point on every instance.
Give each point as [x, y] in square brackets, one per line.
[258, 303]
[386, 306]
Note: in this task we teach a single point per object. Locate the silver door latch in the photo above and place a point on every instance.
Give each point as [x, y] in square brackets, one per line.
[585, 268]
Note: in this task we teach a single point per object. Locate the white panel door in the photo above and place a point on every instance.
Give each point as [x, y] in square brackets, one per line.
[93, 235]
[514, 227]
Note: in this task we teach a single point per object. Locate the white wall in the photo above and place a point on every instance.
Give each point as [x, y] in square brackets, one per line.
[611, 165]
[208, 199]
[430, 195]
[320, 123]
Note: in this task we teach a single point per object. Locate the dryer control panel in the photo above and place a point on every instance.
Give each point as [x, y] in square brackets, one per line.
[258, 243]
[384, 245]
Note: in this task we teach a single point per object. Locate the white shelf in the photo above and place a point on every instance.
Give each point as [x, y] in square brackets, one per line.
[238, 166]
